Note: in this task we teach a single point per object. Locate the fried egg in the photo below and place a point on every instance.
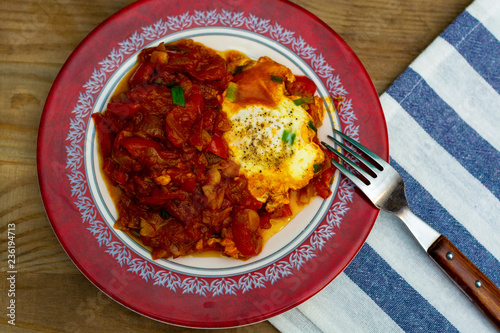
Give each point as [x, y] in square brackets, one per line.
[271, 137]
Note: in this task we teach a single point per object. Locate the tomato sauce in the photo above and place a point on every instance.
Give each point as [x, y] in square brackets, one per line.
[180, 194]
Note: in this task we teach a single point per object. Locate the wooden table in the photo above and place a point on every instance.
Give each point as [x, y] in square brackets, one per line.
[36, 37]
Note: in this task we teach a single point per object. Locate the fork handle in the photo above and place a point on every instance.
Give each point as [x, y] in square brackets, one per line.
[476, 285]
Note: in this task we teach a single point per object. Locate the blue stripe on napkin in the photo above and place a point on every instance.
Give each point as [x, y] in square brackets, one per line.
[477, 45]
[445, 126]
[428, 209]
[394, 295]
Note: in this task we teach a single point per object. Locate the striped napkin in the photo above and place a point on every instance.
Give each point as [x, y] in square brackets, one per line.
[443, 117]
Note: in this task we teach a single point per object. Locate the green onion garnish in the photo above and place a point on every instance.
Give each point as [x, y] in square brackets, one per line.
[231, 92]
[317, 167]
[288, 137]
[285, 136]
[178, 96]
[312, 126]
[135, 233]
[298, 101]
[277, 79]
[303, 100]
[164, 214]
[239, 69]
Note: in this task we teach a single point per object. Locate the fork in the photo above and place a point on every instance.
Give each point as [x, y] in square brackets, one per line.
[384, 186]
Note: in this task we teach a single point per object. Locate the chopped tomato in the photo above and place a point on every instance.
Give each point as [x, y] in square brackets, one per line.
[123, 110]
[218, 146]
[265, 220]
[142, 74]
[286, 211]
[105, 136]
[301, 86]
[322, 189]
[199, 137]
[327, 175]
[222, 123]
[135, 145]
[248, 201]
[189, 185]
[245, 225]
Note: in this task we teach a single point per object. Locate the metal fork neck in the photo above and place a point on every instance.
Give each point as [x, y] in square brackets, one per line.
[393, 199]
[424, 233]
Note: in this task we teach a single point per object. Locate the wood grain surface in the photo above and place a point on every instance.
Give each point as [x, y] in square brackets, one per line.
[36, 38]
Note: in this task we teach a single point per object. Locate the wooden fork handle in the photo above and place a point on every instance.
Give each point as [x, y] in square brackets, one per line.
[468, 277]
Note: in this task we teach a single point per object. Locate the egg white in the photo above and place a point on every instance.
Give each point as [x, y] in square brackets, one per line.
[274, 148]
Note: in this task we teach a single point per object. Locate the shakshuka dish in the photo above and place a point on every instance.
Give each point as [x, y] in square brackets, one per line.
[205, 150]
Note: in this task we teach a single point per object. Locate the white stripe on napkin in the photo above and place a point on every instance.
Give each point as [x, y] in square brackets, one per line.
[486, 11]
[389, 237]
[451, 77]
[467, 200]
[341, 307]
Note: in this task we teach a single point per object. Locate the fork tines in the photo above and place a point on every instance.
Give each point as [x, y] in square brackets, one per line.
[373, 168]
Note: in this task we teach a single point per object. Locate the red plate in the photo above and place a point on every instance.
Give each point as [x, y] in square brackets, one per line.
[205, 292]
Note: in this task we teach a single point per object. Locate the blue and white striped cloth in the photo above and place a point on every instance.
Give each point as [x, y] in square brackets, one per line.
[443, 116]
